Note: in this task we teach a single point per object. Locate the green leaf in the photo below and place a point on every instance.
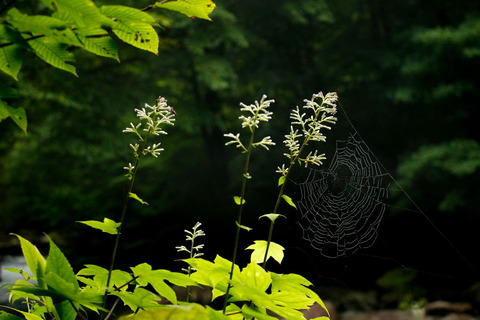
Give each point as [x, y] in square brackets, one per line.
[97, 41]
[255, 276]
[213, 274]
[260, 247]
[134, 196]
[145, 275]
[54, 53]
[35, 261]
[272, 216]
[18, 115]
[289, 200]
[191, 8]
[133, 27]
[100, 276]
[127, 13]
[43, 26]
[281, 180]
[81, 12]
[139, 298]
[243, 227]
[108, 225]
[239, 200]
[179, 312]
[11, 52]
[8, 316]
[58, 264]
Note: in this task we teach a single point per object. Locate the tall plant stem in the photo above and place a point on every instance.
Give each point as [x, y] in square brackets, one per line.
[245, 177]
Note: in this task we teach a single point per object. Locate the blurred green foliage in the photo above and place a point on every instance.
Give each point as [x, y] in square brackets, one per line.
[406, 74]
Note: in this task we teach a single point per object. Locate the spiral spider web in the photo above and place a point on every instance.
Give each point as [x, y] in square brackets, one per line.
[342, 206]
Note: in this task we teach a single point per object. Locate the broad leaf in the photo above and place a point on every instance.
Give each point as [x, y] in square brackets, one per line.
[108, 225]
[44, 26]
[11, 53]
[58, 264]
[272, 216]
[145, 275]
[255, 276]
[54, 53]
[133, 27]
[18, 115]
[97, 41]
[191, 8]
[260, 247]
[139, 298]
[81, 12]
[100, 275]
[176, 312]
[35, 261]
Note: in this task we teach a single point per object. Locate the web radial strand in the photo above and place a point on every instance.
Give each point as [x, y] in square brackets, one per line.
[341, 207]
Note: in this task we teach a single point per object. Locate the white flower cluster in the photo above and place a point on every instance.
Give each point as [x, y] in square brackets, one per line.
[255, 114]
[321, 114]
[153, 118]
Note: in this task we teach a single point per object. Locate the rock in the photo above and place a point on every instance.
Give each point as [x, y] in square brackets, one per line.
[444, 307]
[389, 315]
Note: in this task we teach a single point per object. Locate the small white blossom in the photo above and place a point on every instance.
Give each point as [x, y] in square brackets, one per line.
[235, 139]
[282, 170]
[265, 142]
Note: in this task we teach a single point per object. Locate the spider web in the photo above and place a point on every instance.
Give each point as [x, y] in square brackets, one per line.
[342, 206]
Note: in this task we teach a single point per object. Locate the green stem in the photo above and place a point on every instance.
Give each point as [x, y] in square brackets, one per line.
[239, 215]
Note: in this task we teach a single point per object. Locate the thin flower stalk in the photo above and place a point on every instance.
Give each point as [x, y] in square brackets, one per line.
[151, 121]
[253, 115]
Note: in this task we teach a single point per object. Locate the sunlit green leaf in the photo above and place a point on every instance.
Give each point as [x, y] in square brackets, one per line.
[134, 196]
[243, 227]
[289, 200]
[139, 298]
[190, 8]
[260, 247]
[97, 41]
[108, 225]
[58, 264]
[54, 53]
[133, 27]
[82, 12]
[239, 200]
[281, 180]
[272, 216]
[35, 260]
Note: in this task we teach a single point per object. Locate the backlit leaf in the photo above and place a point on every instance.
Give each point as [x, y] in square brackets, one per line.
[18, 115]
[134, 196]
[11, 53]
[239, 200]
[289, 200]
[260, 247]
[54, 53]
[133, 27]
[191, 8]
[108, 225]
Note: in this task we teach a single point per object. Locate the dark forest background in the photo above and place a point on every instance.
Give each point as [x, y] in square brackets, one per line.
[406, 72]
